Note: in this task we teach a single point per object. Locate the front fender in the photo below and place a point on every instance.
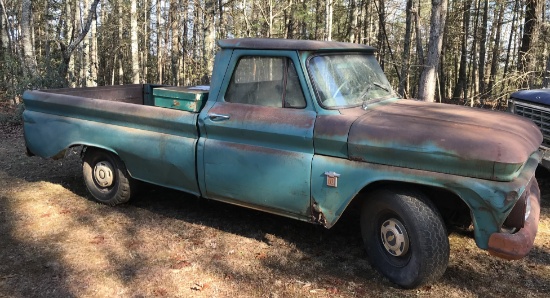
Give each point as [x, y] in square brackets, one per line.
[485, 198]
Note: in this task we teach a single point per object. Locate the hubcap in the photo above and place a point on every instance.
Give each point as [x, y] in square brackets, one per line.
[394, 237]
[103, 174]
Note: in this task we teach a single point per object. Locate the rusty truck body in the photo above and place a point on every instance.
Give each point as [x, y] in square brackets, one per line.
[307, 130]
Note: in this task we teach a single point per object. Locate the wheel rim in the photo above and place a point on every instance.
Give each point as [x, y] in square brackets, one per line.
[394, 237]
[104, 174]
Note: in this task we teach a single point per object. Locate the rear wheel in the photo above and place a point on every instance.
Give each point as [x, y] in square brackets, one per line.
[106, 177]
[405, 237]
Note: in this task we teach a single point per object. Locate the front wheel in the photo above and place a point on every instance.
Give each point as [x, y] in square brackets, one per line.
[405, 237]
[106, 177]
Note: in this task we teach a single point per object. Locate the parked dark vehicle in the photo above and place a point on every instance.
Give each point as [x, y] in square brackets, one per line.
[535, 105]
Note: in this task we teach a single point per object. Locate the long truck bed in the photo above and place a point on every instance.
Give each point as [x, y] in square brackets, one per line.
[157, 144]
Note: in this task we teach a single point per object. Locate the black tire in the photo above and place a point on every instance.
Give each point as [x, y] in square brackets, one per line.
[106, 177]
[417, 248]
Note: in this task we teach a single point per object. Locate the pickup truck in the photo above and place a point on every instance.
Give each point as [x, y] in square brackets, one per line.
[308, 130]
[535, 106]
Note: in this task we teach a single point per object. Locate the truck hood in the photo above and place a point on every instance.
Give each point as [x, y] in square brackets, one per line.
[444, 138]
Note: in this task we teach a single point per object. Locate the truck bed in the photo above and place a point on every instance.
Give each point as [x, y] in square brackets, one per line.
[157, 144]
[136, 94]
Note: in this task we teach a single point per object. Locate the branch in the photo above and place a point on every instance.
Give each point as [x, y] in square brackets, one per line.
[8, 23]
[91, 15]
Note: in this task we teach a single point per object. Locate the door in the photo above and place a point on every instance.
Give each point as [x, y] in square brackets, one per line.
[259, 145]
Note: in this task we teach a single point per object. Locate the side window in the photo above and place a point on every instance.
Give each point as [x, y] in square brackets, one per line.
[266, 81]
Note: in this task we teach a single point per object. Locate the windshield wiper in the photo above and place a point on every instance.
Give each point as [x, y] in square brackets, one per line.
[369, 87]
[379, 85]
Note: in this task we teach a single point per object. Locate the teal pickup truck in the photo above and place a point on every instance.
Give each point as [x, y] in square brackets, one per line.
[307, 130]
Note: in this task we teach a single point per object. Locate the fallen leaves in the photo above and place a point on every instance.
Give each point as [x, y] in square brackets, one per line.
[181, 265]
[200, 287]
[98, 240]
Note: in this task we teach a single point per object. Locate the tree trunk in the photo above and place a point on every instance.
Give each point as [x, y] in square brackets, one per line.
[209, 40]
[381, 13]
[174, 17]
[461, 87]
[67, 50]
[483, 49]
[73, 10]
[405, 58]
[546, 81]
[426, 89]
[530, 34]
[511, 38]
[85, 69]
[146, 46]
[93, 51]
[418, 33]
[4, 43]
[134, 42]
[328, 21]
[120, 48]
[354, 19]
[7, 28]
[29, 59]
[473, 61]
[496, 49]
[159, 43]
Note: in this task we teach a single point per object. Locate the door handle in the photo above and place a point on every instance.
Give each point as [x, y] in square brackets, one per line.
[218, 117]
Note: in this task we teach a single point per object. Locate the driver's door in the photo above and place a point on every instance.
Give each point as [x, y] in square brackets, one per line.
[259, 145]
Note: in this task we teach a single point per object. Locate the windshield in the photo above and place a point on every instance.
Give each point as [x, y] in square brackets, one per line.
[348, 80]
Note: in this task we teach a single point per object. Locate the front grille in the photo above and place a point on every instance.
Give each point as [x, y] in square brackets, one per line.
[539, 115]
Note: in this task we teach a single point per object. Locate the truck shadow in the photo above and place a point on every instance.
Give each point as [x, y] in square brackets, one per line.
[336, 256]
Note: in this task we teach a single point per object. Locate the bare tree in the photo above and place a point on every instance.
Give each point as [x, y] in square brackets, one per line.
[460, 89]
[26, 41]
[134, 45]
[405, 58]
[427, 85]
[530, 34]
[483, 49]
[68, 49]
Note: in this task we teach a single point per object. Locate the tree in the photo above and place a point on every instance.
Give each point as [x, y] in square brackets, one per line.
[483, 49]
[68, 49]
[403, 83]
[29, 59]
[427, 85]
[134, 42]
[530, 33]
[461, 89]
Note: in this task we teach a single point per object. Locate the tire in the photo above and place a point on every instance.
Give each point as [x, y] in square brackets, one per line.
[106, 177]
[405, 237]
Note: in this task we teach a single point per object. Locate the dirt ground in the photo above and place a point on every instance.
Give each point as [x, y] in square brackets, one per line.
[55, 241]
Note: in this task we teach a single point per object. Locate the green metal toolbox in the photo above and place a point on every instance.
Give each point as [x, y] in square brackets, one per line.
[181, 98]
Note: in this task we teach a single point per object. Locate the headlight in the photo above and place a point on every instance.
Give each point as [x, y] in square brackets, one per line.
[511, 106]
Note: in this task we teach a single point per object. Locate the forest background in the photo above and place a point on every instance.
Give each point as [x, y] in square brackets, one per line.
[470, 52]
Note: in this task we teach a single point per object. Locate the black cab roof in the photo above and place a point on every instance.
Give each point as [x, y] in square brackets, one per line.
[291, 44]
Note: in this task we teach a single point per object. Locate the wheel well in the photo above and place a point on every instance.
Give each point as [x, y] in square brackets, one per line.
[453, 209]
[85, 148]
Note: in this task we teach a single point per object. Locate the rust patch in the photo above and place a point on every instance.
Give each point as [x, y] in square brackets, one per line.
[333, 126]
[516, 246]
[258, 115]
[261, 149]
[464, 132]
[317, 215]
